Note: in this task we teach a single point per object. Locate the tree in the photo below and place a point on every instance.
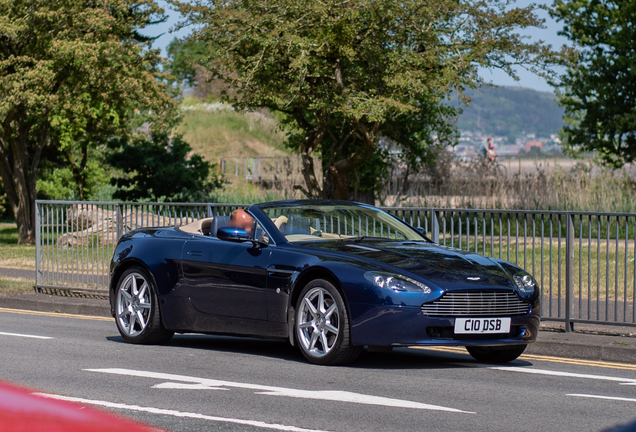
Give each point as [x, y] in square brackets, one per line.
[599, 88]
[160, 168]
[57, 179]
[70, 74]
[185, 57]
[340, 73]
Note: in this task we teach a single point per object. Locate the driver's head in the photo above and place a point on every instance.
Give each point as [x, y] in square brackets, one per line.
[240, 219]
[490, 144]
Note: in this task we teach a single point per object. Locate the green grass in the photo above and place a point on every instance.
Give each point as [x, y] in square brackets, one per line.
[10, 286]
[11, 253]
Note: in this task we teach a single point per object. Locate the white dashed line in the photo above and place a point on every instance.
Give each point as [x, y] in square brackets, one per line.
[604, 397]
[180, 414]
[629, 381]
[25, 335]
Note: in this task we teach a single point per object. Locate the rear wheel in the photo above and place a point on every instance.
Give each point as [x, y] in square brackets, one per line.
[322, 325]
[496, 354]
[137, 311]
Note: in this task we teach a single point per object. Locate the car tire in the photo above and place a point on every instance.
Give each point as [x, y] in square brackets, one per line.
[496, 354]
[321, 329]
[137, 312]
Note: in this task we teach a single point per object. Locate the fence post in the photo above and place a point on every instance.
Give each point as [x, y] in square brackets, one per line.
[435, 226]
[120, 222]
[38, 250]
[569, 271]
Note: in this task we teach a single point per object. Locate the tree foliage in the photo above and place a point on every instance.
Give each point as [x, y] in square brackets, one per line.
[185, 60]
[345, 74]
[599, 89]
[71, 73]
[57, 179]
[160, 168]
[185, 56]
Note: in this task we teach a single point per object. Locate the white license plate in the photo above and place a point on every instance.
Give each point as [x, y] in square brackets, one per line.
[482, 325]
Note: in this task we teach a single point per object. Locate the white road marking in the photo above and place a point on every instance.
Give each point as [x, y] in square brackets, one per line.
[604, 397]
[181, 414]
[25, 335]
[185, 386]
[327, 395]
[627, 381]
[345, 396]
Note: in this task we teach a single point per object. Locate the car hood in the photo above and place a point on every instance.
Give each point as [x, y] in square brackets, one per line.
[447, 267]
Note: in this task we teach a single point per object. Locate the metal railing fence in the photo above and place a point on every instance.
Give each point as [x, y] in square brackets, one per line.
[583, 261]
[75, 240]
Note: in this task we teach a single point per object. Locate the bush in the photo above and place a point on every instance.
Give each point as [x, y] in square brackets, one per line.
[160, 168]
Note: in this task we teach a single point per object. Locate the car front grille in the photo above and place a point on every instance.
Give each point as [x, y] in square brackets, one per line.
[476, 304]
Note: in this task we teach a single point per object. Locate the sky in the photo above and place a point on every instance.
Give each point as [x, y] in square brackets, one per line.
[527, 79]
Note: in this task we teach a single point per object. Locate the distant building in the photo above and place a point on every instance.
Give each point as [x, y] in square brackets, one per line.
[530, 144]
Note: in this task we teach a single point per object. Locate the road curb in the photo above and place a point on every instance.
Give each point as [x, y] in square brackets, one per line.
[50, 303]
[603, 351]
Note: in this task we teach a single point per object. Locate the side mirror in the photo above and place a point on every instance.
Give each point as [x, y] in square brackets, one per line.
[232, 234]
[421, 230]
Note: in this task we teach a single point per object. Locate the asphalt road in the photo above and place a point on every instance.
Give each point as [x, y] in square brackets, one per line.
[209, 383]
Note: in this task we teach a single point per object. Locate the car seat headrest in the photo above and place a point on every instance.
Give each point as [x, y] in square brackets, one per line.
[218, 222]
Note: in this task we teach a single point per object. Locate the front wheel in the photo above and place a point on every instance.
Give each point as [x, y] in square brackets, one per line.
[137, 311]
[322, 325]
[496, 354]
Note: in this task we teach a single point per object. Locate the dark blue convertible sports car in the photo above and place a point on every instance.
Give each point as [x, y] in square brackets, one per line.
[331, 277]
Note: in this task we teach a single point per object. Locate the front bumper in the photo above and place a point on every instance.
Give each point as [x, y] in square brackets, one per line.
[407, 326]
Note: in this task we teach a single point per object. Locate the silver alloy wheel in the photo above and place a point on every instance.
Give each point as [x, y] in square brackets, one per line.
[133, 304]
[318, 322]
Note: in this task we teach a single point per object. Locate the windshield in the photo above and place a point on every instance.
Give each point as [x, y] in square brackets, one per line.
[306, 222]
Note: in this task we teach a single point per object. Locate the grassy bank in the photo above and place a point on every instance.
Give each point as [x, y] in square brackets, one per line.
[13, 254]
[214, 131]
[12, 286]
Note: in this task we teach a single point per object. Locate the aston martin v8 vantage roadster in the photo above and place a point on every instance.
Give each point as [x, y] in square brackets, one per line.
[331, 277]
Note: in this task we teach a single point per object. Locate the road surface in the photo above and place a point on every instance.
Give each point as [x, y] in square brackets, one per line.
[213, 383]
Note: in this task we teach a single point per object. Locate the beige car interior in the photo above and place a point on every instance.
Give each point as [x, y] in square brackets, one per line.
[202, 227]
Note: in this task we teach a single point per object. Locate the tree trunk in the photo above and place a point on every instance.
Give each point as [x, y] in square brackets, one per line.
[25, 219]
[361, 196]
[21, 197]
[309, 174]
[308, 170]
[18, 168]
[336, 184]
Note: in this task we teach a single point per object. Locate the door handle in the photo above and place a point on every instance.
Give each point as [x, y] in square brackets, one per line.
[195, 253]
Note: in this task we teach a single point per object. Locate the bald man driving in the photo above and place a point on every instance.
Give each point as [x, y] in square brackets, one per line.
[240, 219]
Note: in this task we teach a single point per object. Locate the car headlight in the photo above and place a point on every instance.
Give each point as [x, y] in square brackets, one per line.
[397, 283]
[526, 285]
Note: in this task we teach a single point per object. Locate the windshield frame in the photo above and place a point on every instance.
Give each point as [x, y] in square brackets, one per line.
[258, 210]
